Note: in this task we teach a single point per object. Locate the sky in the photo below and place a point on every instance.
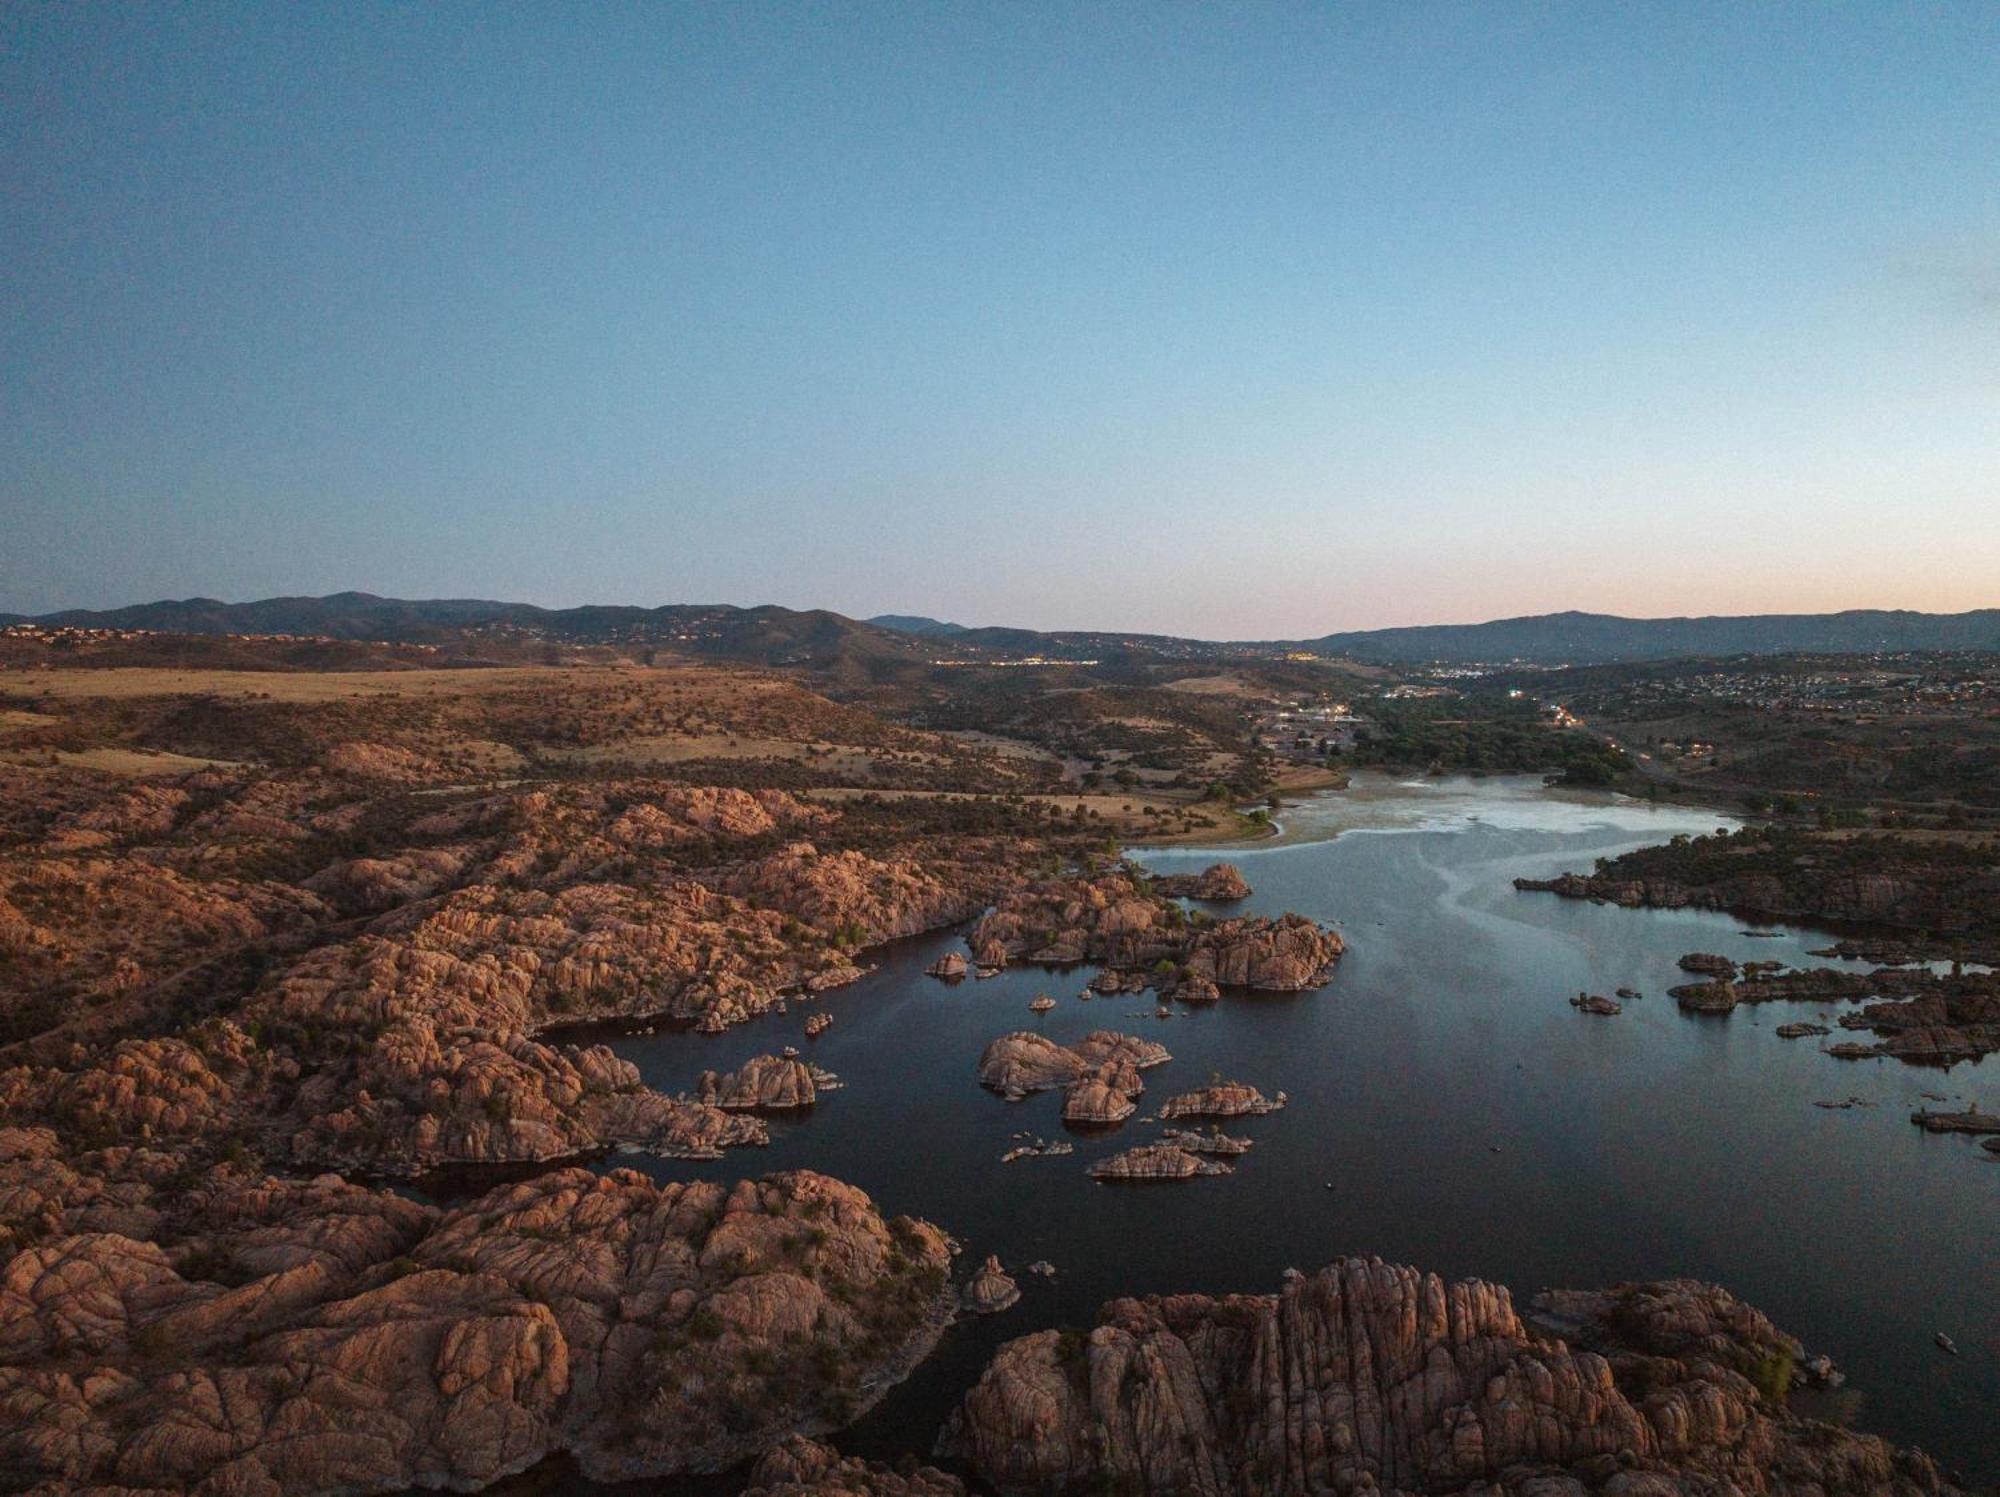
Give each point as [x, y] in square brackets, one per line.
[1239, 321]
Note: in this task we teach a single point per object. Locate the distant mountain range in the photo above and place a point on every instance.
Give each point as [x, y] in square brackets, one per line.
[816, 637]
[768, 635]
[1578, 638]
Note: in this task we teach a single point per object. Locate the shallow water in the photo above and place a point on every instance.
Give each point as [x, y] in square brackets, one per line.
[1448, 1109]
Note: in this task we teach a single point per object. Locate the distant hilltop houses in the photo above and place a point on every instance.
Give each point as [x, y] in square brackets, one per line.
[1916, 689]
[69, 635]
[1408, 693]
[1026, 660]
[77, 635]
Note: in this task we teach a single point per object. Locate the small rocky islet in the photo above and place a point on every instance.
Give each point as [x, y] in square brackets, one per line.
[766, 1083]
[1161, 1161]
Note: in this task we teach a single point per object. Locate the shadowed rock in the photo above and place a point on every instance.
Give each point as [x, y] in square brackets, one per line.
[1218, 883]
[1367, 1377]
[991, 1290]
[799, 1467]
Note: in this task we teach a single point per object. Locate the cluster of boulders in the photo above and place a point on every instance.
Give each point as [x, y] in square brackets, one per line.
[1709, 964]
[419, 1037]
[1161, 1161]
[1219, 883]
[1121, 921]
[1215, 1141]
[1099, 1075]
[1100, 1081]
[765, 1083]
[1919, 1015]
[799, 1467]
[1368, 1377]
[1970, 1120]
[1223, 1099]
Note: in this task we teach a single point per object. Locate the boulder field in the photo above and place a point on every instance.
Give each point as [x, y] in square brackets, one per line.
[316, 1337]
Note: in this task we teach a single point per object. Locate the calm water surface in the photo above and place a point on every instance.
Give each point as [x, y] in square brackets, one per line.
[1448, 1109]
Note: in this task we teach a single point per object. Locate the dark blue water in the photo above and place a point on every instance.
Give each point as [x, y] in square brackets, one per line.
[1643, 1146]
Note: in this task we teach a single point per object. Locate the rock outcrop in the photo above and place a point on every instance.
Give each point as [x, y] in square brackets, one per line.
[1367, 1377]
[1970, 1121]
[1100, 1075]
[765, 1083]
[799, 1467]
[1225, 1099]
[1218, 883]
[1918, 1015]
[313, 1338]
[1709, 965]
[1285, 955]
[1156, 1162]
[1118, 921]
[991, 1290]
[1022, 1062]
[1097, 1103]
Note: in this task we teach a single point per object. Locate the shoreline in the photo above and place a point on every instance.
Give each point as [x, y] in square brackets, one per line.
[1372, 787]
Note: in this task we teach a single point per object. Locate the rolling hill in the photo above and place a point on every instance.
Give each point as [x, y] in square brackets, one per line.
[1577, 638]
[830, 641]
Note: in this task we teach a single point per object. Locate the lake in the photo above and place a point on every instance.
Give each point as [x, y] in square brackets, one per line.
[1448, 1109]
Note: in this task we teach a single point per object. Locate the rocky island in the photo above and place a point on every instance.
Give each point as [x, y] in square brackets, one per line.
[1099, 1076]
[767, 1083]
[1163, 1161]
[1122, 922]
[1224, 1099]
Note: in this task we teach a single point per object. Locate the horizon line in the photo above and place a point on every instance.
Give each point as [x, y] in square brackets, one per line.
[359, 593]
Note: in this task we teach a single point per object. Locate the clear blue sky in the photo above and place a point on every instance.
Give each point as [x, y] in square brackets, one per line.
[1251, 320]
